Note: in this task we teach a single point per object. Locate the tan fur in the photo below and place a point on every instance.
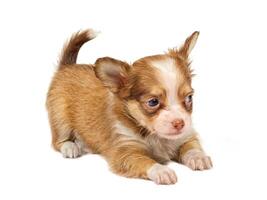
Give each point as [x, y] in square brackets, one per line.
[192, 143]
[85, 102]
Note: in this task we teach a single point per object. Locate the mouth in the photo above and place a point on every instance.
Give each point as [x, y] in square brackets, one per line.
[170, 135]
[174, 132]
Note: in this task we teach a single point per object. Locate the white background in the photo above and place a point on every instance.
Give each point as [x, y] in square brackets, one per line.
[230, 102]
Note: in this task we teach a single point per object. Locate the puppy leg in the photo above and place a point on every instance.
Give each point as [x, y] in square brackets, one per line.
[74, 148]
[70, 149]
[131, 161]
[192, 155]
[64, 139]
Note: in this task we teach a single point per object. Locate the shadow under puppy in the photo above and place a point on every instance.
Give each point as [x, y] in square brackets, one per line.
[137, 116]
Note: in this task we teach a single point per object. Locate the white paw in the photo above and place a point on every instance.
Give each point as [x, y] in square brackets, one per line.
[70, 150]
[197, 160]
[161, 174]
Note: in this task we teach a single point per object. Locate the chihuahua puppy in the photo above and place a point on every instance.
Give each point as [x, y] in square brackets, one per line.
[138, 116]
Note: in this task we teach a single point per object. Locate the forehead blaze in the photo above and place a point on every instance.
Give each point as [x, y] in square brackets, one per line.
[161, 76]
[173, 78]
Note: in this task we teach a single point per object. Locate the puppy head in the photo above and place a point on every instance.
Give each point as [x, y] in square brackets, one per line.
[156, 89]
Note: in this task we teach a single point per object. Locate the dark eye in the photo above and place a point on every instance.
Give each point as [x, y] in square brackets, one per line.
[189, 98]
[153, 102]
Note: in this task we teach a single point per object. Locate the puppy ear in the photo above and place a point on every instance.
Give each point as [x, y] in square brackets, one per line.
[189, 44]
[113, 73]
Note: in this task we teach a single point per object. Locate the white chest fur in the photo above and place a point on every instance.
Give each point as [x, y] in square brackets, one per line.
[162, 149]
[165, 149]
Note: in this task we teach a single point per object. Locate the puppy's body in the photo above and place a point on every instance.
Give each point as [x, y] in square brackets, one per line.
[135, 116]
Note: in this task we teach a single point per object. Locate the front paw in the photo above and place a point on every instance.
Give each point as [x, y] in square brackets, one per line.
[161, 174]
[196, 160]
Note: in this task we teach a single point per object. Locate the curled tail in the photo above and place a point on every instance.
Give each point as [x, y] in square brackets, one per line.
[71, 48]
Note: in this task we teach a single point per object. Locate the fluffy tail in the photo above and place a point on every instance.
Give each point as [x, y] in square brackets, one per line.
[71, 48]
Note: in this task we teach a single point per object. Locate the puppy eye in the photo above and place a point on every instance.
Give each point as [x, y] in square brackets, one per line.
[189, 98]
[153, 102]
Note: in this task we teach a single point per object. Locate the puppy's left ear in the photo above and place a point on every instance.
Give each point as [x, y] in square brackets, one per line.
[189, 44]
[113, 73]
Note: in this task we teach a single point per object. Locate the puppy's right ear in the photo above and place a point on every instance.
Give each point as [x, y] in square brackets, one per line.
[113, 73]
